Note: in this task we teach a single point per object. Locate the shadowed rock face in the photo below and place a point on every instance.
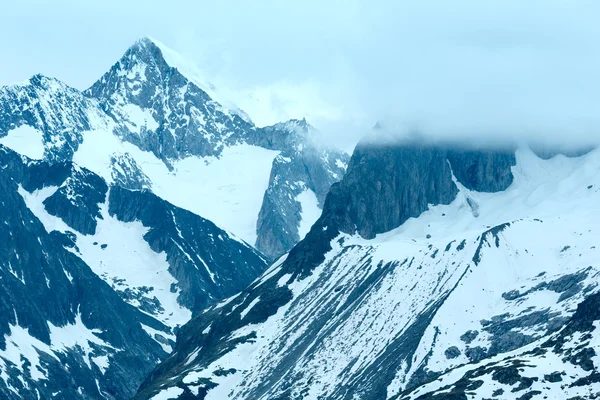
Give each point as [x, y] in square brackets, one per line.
[385, 186]
[483, 171]
[77, 200]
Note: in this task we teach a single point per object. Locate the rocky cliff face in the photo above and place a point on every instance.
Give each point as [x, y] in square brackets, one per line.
[483, 171]
[386, 185]
[300, 179]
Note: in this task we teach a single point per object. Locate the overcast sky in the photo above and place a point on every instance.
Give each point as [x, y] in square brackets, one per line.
[463, 66]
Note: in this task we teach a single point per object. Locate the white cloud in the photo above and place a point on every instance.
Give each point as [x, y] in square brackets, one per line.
[477, 67]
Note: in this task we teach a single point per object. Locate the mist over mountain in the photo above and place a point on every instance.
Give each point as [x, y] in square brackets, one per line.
[333, 201]
[511, 67]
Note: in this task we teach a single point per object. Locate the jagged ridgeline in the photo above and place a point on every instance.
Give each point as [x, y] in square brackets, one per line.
[434, 272]
[128, 208]
[150, 122]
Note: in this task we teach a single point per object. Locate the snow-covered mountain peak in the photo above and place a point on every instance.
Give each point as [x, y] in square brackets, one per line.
[159, 151]
[148, 58]
[162, 107]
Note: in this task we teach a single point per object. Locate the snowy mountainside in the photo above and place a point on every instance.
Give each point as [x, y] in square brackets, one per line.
[145, 263]
[153, 122]
[563, 365]
[112, 181]
[160, 258]
[57, 113]
[462, 278]
[222, 189]
[64, 333]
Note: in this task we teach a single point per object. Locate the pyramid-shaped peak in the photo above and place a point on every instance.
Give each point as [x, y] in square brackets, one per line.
[144, 50]
[148, 49]
[151, 45]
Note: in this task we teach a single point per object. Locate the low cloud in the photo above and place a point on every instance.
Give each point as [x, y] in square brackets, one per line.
[466, 68]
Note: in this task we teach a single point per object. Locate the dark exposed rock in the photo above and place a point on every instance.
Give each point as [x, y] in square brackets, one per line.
[385, 186]
[553, 377]
[511, 295]
[77, 200]
[529, 395]
[567, 285]
[476, 353]
[469, 336]
[452, 352]
[483, 171]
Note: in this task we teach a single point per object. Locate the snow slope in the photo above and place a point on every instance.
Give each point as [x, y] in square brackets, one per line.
[25, 140]
[118, 254]
[224, 190]
[488, 274]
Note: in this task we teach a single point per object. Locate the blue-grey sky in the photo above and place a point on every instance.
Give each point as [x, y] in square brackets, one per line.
[463, 66]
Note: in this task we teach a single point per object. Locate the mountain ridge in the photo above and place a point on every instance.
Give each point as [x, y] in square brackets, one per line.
[116, 178]
[350, 313]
